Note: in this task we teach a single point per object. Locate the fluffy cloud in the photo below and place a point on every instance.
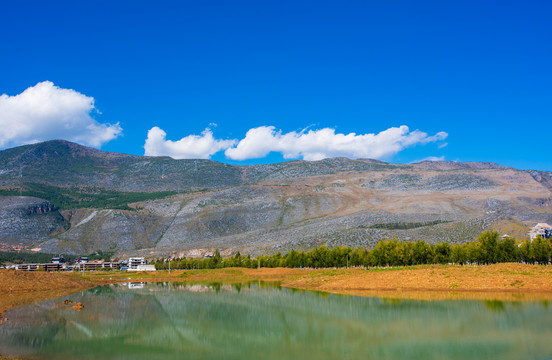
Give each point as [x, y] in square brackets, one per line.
[46, 112]
[190, 147]
[324, 143]
[430, 158]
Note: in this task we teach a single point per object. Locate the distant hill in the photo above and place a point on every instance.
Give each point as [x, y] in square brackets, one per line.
[78, 200]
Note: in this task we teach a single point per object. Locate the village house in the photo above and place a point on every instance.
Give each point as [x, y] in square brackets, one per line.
[134, 262]
[58, 260]
[139, 264]
[541, 229]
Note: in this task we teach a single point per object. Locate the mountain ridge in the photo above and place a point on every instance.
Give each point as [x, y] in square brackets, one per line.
[153, 206]
[68, 162]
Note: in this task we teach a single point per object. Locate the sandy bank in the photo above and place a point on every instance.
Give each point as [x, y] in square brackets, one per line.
[21, 287]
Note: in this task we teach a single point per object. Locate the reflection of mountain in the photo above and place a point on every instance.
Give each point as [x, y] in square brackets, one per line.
[220, 322]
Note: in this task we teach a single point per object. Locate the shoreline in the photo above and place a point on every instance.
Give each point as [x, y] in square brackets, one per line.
[509, 281]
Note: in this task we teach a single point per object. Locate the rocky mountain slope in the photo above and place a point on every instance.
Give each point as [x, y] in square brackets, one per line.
[254, 209]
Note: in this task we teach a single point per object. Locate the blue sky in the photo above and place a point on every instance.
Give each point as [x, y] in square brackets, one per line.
[470, 79]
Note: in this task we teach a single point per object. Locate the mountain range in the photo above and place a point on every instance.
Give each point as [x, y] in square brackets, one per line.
[61, 197]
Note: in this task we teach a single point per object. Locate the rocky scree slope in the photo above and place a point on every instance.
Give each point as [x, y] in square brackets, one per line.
[261, 208]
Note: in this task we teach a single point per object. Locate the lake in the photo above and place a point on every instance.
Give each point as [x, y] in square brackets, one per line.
[263, 321]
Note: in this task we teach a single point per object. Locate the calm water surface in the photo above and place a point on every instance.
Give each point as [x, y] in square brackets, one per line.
[259, 321]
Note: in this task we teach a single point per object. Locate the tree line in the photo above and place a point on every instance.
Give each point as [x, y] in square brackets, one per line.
[404, 225]
[16, 257]
[488, 248]
[25, 257]
[84, 197]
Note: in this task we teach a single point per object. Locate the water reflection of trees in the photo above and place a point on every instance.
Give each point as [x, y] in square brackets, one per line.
[166, 320]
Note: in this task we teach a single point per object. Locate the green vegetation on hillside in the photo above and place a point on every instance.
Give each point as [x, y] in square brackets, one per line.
[487, 249]
[84, 197]
[101, 255]
[405, 225]
[28, 257]
[17, 257]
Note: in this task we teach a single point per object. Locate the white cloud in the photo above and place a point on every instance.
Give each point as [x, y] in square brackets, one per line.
[325, 143]
[46, 112]
[308, 145]
[442, 145]
[189, 147]
[430, 158]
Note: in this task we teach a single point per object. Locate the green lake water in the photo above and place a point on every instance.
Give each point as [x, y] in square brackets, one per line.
[262, 321]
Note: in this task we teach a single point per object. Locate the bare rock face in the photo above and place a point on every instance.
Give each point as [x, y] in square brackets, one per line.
[108, 230]
[543, 177]
[26, 221]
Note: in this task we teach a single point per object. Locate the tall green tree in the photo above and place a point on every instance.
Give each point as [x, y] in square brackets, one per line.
[541, 252]
[442, 253]
[507, 250]
[488, 242]
[458, 254]
[422, 253]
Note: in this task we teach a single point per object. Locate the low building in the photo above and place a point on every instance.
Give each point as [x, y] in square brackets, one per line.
[58, 260]
[143, 268]
[134, 262]
[541, 229]
[97, 265]
[81, 260]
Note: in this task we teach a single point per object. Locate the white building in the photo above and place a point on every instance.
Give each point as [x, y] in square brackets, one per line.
[145, 268]
[134, 262]
[541, 229]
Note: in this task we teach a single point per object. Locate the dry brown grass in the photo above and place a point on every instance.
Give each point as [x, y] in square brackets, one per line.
[501, 281]
[21, 287]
